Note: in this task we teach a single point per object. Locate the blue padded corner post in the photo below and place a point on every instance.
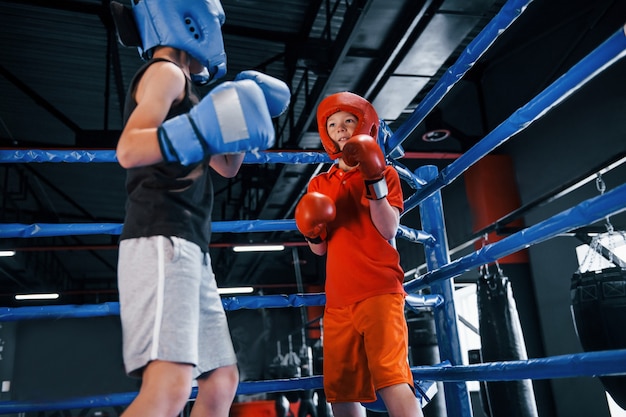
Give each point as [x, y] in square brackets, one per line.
[431, 212]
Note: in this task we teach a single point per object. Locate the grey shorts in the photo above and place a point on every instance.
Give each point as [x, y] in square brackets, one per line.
[169, 306]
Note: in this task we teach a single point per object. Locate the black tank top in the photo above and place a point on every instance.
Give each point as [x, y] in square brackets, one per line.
[168, 199]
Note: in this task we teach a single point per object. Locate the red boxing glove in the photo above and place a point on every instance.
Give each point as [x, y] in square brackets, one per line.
[313, 212]
[364, 151]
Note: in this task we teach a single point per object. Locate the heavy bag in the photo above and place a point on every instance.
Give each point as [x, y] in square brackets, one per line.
[599, 313]
[502, 340]
[290, 367]
[473, 357]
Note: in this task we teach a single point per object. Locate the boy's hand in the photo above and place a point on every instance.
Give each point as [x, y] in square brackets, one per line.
[313, 212]
[362, 150]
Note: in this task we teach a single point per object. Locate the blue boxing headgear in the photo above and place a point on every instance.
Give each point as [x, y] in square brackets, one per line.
[193, 26]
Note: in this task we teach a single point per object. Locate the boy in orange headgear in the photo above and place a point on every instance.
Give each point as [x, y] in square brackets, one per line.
[351, 213]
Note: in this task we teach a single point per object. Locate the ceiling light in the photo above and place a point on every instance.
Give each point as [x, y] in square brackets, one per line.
[43, 296]
[436, 135]
[7, 253]
[259, 248]
[235, 290]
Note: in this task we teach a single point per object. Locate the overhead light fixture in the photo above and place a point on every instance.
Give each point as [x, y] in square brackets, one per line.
[235, 290]
[259, 248]
[436, 135]
[41, 296]
[4, 253]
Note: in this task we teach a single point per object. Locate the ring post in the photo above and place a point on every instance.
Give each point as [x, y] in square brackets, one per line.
[431, 213]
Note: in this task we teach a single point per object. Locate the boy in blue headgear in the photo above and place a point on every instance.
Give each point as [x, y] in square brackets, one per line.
[173, 322]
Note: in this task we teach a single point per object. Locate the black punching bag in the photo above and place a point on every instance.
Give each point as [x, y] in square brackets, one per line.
[502, 340]
[599, 312]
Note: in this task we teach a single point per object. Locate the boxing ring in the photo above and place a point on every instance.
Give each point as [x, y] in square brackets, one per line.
[427, 181]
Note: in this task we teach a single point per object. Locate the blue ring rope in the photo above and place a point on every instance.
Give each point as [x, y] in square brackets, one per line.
[564, 366]
[605, 55]
[230, 303]
[108, 156]
[19, 230]
[587, 212]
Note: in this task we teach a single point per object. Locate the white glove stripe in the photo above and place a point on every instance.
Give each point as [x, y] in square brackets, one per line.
[230, 115]
[376, 189]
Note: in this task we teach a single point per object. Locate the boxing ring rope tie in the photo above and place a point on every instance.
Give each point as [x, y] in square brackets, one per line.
[585, 364]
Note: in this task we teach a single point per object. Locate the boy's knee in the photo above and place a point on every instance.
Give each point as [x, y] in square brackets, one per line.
[228, 377]
[178, 393]
[224, 379]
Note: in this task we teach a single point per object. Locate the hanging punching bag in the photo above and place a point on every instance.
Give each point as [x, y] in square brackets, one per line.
[492, 194]
[502, 340]
[599, 313]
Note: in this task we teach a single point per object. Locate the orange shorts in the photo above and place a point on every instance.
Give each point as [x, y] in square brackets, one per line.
[365, 348]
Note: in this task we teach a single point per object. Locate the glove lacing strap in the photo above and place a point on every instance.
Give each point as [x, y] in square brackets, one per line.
[168, 150]
[318, 239]
[315, 240]
[199, 137]
[376, 189]
[165, 144]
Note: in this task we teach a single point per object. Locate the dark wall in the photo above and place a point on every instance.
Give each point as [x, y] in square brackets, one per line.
[60, 359]
[571, 142]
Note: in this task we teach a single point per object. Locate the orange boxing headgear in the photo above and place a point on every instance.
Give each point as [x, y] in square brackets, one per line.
[345, 101]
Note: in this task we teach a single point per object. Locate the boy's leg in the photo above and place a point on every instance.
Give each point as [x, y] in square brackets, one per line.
[400, 401]
[165, 388]
[383, 322]
[348, 410]
[216, 388]
[216, 392]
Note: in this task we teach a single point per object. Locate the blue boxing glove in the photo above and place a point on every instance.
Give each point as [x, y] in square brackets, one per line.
[234, 117]
[276, 92]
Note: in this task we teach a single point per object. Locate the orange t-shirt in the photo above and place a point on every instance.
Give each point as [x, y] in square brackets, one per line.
[360, 262]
